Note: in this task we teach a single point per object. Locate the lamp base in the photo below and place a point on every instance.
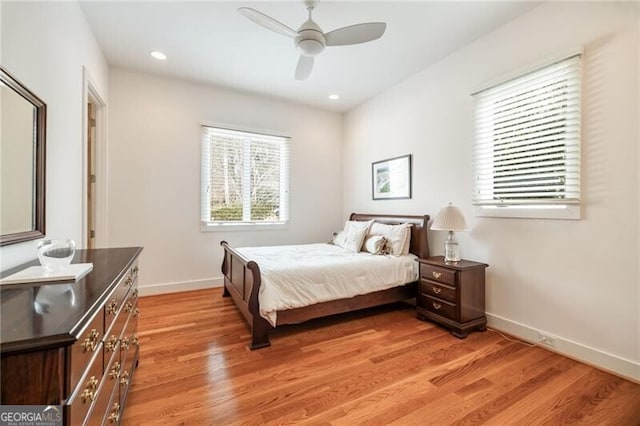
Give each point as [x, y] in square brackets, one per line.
[451, 249]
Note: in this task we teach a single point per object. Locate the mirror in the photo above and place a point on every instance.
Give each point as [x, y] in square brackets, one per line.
[22, 162]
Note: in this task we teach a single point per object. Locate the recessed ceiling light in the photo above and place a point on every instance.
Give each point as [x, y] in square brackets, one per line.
[158, 55]
[334, 97]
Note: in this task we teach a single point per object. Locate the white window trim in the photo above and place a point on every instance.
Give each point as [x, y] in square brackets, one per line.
[551, 211]
[233, 227]
[206, 226]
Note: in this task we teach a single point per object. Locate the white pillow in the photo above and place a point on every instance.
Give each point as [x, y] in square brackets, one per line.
[353, 235]
[398, 236]
[374, 244]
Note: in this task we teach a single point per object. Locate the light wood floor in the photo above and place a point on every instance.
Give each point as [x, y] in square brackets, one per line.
[379, 366]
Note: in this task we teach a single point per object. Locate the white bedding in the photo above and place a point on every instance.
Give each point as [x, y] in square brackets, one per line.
[302, 275]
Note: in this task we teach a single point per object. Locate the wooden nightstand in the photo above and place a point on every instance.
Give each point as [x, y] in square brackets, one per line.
[452, 294]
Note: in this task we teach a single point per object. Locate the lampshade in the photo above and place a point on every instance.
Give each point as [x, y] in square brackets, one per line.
[449, 218]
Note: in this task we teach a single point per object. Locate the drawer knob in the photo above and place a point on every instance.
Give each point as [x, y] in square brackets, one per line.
[135, 340]
[124, 343]
[436, 290]
[135, 293]
[112, 307]
[136, 312]
[128, 307]
[128, 281]
[135, 269]
[115, 370]
[436, 275]
[436, 306]
[112, 343]
[124, 379]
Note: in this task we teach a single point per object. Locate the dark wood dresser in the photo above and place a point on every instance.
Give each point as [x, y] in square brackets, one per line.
[73, 344]
[452, 294]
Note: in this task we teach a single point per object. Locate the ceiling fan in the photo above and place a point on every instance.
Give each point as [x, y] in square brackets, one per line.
[310, 40]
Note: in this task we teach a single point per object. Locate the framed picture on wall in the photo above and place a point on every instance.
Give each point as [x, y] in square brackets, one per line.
[391, 178]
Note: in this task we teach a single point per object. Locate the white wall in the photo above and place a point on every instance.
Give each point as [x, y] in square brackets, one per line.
[638, 199]
[45, 46]
[154, 174]
[577, 280]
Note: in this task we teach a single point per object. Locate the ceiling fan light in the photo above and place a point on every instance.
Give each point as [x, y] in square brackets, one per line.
[156, 54]
[310, 47]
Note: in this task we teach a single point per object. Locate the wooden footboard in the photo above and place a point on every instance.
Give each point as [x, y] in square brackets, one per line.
[242, 283]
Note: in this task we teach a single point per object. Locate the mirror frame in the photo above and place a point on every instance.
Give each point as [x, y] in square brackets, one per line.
[39, 163]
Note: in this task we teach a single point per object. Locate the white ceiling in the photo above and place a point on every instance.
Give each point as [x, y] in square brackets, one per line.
[210, 42]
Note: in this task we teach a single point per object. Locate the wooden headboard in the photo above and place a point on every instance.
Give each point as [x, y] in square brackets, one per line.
[419, 241]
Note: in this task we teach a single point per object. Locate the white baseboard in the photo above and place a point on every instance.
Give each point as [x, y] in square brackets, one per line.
[165, 288]
[625, 368]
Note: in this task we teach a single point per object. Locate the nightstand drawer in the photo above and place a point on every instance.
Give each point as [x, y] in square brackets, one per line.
[441, 291]
[438, 274]
[437, 306]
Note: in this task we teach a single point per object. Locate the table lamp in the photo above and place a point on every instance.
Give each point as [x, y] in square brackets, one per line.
[451, 219]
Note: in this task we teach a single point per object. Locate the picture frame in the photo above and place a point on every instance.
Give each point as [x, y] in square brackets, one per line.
[391, 178]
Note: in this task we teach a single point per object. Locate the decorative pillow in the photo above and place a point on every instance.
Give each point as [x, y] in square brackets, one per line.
[397, 236]
[374, 244]
[353, 235]
[333, 239]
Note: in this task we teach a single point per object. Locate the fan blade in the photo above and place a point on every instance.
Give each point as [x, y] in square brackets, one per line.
[268, 22]
[355, 34]
[305, 65]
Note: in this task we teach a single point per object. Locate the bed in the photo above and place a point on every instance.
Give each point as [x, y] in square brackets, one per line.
[242, 281]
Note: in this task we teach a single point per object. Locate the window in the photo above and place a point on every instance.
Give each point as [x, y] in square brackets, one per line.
[245, 178]
[527, 144]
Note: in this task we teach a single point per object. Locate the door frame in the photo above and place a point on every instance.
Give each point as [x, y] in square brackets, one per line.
[90, 93]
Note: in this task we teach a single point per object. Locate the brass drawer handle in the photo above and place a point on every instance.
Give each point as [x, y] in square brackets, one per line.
[124, 343]
[115, 370]
[135, 340]
[112, 307]
[135, 293]
[128, 281]
[92, 383]
[436, 275]
[112, 343]
[124, 379]
[436, 290]
[114, 417]
[136, 312]
[88, 395]
[90, 343]
[436, 306]
[135, 269]
[128, 307]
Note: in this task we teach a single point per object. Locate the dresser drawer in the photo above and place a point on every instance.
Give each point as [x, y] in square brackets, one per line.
[129, 341]
[439, 307]
[88, 391]
[82, 351]
[441, 291]
[109, 386]
[114, 305]
[440, 275]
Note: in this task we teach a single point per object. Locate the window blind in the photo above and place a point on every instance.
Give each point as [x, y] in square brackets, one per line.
[527, 138]
[245, 177]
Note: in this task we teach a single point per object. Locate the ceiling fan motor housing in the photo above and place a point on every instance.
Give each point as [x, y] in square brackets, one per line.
[310, 39]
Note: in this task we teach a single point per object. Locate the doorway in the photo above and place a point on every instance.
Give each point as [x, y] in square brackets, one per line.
[94, 203]
[91, 174]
